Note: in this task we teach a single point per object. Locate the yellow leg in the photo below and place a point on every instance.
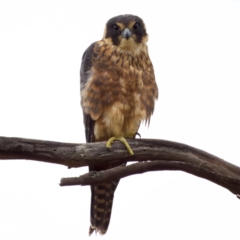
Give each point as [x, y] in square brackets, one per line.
[123, 140]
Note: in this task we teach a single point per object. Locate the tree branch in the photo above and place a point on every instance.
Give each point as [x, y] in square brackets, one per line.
[164, 155]
[218, 175]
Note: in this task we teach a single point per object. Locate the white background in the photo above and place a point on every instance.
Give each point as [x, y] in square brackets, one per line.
[195, 50]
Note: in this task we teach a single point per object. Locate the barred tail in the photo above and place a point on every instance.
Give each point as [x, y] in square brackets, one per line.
[101, 206]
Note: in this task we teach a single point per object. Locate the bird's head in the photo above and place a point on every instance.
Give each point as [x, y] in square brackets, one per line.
[126, 31]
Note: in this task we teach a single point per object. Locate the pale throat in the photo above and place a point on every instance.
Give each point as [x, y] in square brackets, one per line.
[128, 45]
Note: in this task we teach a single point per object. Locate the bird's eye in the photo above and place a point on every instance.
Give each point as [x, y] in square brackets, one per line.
[136, 25]
[115, 27]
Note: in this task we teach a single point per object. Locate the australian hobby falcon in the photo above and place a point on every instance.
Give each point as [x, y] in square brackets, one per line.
[118, 91]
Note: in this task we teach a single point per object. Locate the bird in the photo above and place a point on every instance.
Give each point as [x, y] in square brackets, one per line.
[118, 92]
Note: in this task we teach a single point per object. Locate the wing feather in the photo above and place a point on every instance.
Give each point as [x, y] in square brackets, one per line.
[84, 76]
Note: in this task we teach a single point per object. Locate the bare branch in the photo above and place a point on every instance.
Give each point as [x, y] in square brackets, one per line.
[218, 175]
[165, 155]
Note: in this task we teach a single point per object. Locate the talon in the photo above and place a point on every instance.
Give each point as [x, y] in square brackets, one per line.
[138, 134]
[121, 139]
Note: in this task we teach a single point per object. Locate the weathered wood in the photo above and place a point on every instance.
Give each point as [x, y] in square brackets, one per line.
[164, 155]
[218, 175]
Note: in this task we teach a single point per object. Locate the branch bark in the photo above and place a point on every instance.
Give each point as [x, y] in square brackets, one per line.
[158, 154]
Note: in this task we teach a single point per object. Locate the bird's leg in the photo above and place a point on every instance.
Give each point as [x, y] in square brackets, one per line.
[123, 140]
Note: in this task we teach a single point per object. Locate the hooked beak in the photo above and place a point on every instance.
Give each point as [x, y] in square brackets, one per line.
[126, 33]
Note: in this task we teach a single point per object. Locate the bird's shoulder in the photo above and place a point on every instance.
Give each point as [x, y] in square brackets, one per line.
[86, 64]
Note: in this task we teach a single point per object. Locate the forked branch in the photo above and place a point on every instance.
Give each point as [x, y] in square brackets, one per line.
[156, 154]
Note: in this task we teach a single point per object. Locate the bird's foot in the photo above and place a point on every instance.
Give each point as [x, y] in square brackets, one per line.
[123, 140]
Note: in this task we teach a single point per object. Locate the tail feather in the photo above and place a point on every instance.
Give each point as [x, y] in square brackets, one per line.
[101, 206]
